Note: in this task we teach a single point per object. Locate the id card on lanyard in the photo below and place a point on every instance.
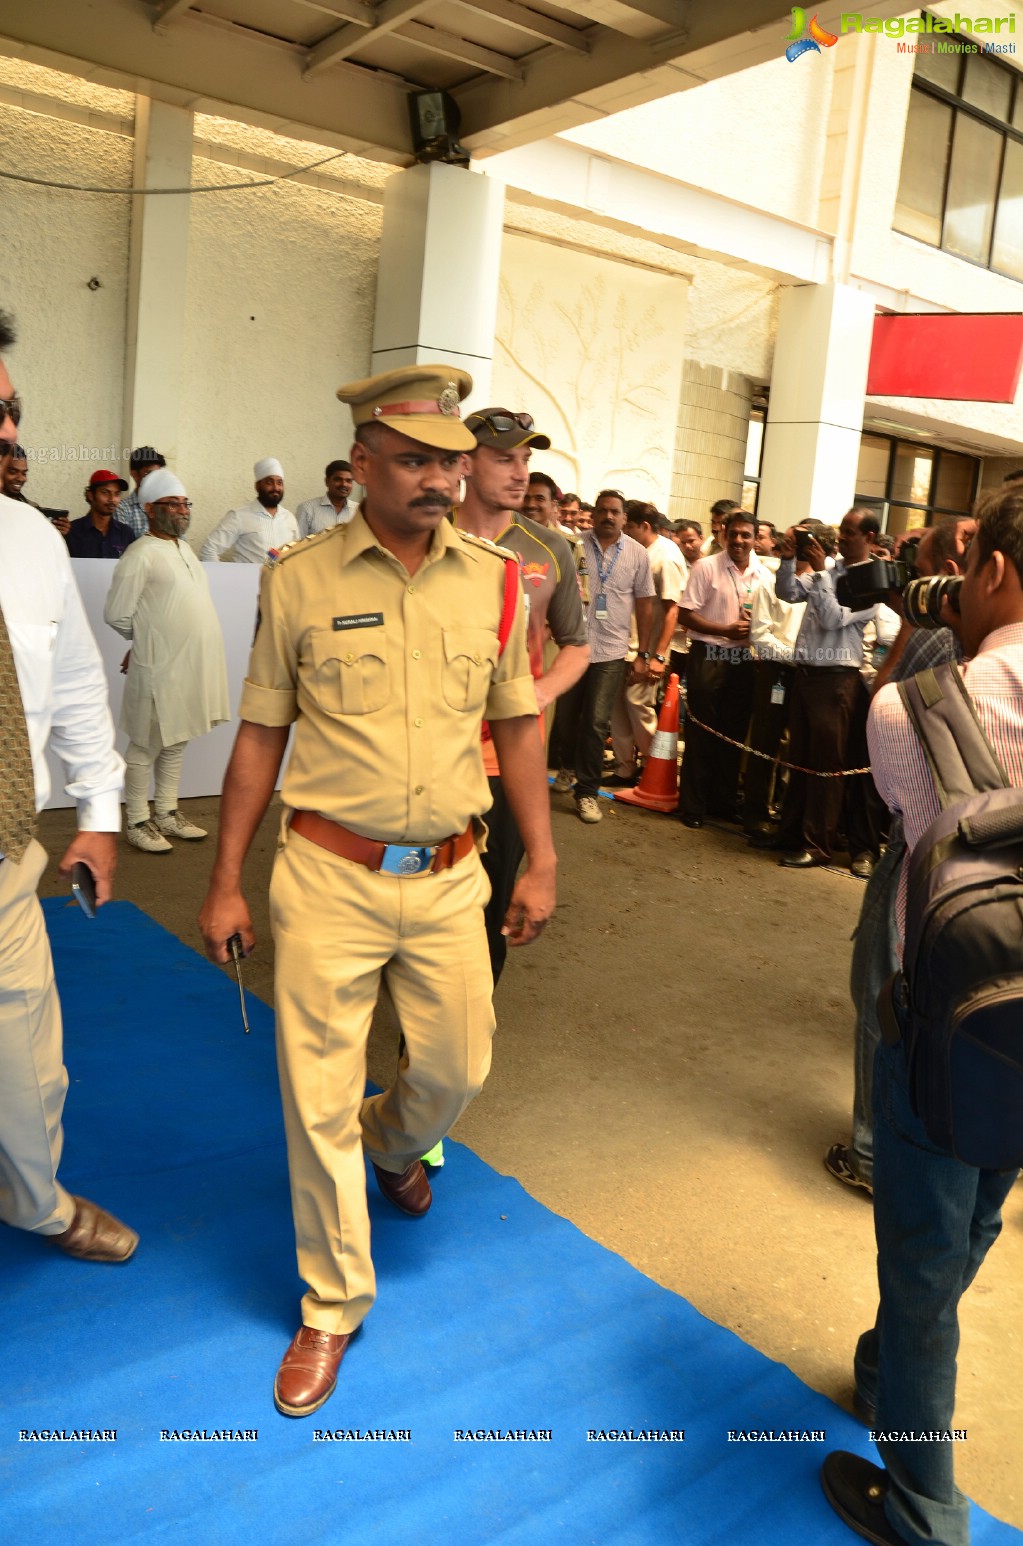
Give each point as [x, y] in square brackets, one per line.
[603, 576]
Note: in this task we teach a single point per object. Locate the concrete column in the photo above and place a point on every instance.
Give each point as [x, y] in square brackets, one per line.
[437, 280]
[158, 265]
[815, 415]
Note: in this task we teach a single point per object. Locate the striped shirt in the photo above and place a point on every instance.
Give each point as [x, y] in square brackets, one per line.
[994, 679]
[620, 574]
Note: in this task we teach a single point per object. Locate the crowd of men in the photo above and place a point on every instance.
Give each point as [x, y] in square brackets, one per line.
[412, 647]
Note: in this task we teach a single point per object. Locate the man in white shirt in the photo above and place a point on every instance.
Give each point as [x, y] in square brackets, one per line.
[52, 688]
[159, 598]
[716, 608]
[254, 531]
[332, 508]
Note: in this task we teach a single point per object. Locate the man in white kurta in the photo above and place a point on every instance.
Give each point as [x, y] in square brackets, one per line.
[256, 531]
[176, 686]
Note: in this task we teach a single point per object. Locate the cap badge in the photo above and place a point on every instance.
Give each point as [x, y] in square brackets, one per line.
[449, 400]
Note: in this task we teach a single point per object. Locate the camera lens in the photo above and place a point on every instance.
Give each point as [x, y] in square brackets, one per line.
[922, 600]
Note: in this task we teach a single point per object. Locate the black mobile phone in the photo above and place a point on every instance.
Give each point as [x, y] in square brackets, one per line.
[83, 888]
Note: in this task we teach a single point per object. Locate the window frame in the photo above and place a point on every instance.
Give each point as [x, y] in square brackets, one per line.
[931, 510]
[958, 104]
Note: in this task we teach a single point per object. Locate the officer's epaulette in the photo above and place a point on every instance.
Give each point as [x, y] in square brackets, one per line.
[277, 556]
[486, 544]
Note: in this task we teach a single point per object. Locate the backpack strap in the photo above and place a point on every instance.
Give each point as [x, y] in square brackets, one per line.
[960, 756]
[511, 587]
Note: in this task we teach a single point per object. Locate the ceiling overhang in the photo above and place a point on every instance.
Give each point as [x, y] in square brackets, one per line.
[340, 71]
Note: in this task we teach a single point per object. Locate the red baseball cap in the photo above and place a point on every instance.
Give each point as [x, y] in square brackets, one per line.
[103, 476]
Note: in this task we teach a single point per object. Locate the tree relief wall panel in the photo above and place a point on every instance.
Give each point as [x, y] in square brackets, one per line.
[592, 348]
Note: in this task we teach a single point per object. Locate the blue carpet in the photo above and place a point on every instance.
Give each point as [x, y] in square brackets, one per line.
[493, 1314]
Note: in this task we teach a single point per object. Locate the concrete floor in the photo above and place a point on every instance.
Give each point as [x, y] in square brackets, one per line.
[672, 1060]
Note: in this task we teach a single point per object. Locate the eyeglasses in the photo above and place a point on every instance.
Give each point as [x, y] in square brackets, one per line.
[500, 423]
[11, 406]
[184, 505]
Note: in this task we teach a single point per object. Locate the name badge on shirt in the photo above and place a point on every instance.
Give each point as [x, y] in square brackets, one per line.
[358, 620]
[600, 608]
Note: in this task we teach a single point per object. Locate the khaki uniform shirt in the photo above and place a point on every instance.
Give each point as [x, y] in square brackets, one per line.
[387, 678]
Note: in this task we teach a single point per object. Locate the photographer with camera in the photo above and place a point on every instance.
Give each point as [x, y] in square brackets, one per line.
[935, 1215]
[829, 701]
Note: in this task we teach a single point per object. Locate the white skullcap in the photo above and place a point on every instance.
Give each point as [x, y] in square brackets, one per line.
[161, 483]
[269, 467]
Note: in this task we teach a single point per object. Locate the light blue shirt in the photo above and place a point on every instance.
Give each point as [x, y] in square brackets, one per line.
[830, 634]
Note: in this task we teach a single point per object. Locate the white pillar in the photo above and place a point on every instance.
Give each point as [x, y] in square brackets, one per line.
[437, 280]
[157, 272]
[815, 416]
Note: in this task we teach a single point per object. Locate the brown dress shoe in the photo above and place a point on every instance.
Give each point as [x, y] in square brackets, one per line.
[308, 1371]
[95, 1235]
[410, 1191]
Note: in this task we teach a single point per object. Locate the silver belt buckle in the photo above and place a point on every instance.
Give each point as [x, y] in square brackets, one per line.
[401, 860]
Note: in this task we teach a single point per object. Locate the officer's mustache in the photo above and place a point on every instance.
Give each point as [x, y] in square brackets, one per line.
[431, 502]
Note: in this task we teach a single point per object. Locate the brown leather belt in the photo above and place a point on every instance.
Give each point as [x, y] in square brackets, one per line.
[389, 858]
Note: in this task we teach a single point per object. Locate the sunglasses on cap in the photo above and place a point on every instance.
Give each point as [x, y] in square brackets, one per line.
[500, 423]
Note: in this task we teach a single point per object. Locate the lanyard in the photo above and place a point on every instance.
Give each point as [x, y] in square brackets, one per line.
[749, 589]
[605, 574]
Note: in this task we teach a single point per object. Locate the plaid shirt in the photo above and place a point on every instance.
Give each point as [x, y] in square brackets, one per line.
[130, 513]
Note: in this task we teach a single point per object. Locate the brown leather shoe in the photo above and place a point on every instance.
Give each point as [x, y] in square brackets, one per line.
[95, 1235]
[308, 1371]
[410, 1191]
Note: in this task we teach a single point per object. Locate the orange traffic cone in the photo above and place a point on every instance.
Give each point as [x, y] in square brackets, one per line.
[657, 790]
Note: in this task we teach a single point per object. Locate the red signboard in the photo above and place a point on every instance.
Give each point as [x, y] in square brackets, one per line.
[963, 357]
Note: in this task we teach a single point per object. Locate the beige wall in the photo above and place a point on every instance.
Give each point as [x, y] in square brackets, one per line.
[69, 361]
[713, 425]
[281, 284]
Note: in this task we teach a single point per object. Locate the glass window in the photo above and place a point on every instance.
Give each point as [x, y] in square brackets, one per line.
[961, 183]
[940, 69]
[972, 187]
[872, 472]
[953, 486]
[750, 495]
[987, 86]
[1007, 252]
[901, 518]
[911, 477]
[924, 159]
[754, 446]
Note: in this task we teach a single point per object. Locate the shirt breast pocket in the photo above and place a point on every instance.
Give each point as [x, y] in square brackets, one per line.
[470, 659]
[350, 673]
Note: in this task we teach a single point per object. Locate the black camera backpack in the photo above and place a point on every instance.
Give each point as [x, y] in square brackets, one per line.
[959, 997]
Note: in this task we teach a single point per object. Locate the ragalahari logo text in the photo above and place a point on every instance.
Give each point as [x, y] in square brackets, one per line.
[802, 39]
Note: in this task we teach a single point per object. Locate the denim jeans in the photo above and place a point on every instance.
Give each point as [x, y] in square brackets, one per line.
[584, 722]
[875, 957]
[935, 1220]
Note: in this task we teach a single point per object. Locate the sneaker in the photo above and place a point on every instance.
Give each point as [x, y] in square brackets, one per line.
[588, 808]
[564, 778]
[836, 1163]
[173, 824]
[145, 836]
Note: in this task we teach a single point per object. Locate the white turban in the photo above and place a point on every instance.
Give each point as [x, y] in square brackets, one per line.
[161, 483]
[269, 467]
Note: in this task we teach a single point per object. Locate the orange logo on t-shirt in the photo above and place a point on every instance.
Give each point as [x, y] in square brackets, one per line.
[535, 572]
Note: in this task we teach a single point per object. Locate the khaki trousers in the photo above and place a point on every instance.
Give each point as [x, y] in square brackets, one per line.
[633, 722]
[338, 930]
[33, 1080]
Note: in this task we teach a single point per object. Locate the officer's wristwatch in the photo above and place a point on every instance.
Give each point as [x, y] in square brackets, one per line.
[642, 654]
[661, 658]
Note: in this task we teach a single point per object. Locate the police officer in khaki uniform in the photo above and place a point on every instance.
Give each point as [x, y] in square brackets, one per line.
[379, 641]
